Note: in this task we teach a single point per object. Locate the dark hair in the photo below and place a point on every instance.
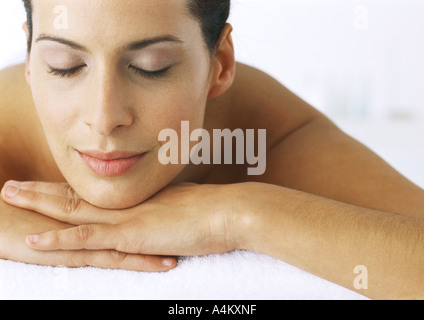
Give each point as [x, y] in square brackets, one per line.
[212, 15]
[28, 9]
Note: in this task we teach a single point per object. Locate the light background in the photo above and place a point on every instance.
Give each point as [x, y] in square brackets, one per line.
[358, 61]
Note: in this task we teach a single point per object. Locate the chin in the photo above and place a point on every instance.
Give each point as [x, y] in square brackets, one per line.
[113, 196]
[121, 192]
[113, 204]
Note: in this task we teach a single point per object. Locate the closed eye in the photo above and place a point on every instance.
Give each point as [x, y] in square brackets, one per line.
[64, 73]
[148, 74]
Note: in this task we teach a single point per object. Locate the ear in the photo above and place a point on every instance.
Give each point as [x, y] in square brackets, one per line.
[224, 64]
[27, 70]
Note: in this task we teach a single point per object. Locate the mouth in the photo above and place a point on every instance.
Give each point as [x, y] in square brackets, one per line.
[111, 164]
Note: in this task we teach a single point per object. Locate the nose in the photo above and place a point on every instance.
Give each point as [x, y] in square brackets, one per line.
[108, 107]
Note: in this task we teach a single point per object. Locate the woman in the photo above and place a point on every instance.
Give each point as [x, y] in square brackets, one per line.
[107, 77]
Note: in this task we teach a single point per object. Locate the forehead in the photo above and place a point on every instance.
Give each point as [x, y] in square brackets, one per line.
[104, 22]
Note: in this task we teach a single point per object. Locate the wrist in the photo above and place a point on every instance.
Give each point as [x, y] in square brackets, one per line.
[244, 215]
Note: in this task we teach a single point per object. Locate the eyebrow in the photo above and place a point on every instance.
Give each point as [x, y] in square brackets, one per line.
[138, 45]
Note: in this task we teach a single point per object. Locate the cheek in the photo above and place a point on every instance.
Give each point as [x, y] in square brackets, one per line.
[180, 109]
[183, 102]
[57, 114]
[55, 102]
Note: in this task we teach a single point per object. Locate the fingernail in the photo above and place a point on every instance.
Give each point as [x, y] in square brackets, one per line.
[33, 238]
[168, 262]
[11, 191]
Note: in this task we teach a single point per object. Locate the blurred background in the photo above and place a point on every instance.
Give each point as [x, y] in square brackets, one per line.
[360, 62]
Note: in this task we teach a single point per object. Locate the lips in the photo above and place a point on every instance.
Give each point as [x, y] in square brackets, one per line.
[112, 164]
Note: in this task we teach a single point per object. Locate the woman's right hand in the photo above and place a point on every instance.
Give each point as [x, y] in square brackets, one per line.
[16, 223]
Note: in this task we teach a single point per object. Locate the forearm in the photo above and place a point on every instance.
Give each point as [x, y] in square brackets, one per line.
[330, 238]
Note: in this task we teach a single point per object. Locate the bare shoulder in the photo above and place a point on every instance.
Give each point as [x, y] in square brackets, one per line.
[15, 101]
[260, 101]
[256, 101]
[22, 144]
[319, 158]
[12, 81]
[13, 121]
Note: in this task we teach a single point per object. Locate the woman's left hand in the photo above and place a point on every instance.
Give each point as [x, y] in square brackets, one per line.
[180, 220]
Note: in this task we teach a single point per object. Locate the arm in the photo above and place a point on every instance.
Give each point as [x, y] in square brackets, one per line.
[325, 237]
[352, 209]
[352, 204]
[330, 238]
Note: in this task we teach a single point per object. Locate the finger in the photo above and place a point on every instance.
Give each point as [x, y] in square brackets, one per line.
[89, 237]
[110, 259]
[104, 259]
[58, 189]
[70, 210]
[91, 245]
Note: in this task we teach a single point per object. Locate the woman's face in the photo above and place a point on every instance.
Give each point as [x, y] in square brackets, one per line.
[107, 76]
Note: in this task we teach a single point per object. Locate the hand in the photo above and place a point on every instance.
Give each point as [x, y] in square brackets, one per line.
[16, 223]
[180, 220]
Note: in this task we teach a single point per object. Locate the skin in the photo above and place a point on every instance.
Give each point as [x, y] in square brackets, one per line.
[323, 192]
[129, 111]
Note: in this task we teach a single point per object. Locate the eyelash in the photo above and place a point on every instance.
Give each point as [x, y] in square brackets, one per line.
[150, 74]
[67, 73]
[64, 73]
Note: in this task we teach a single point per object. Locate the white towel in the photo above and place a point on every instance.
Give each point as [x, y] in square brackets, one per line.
[239, 275]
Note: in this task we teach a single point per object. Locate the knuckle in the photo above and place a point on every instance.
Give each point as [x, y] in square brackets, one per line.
[31, 196]
[127, 242]
[30, 185]
[76, 259]
[119, 257]
[84, 232]
[54, 238]
[71, 206]
[68, 192]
